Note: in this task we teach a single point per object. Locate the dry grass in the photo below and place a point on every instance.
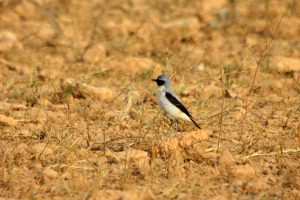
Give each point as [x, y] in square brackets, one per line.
[78, 111]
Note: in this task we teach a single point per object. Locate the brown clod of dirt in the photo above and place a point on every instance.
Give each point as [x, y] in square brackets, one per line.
[130, 154]
[180, 147]
[8, 40]
[95, 54]
[227, 159]
[7, 121]
[257, 185]
[42, 149]
[50, 173]
[285, 64]
[137, 158]
[138, 65]
[124, 195]
[174, 147]
[186, 139]
[102, 93]
[244, 172]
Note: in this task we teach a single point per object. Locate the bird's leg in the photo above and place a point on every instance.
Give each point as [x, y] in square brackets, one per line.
[171, 125]
[177, 126]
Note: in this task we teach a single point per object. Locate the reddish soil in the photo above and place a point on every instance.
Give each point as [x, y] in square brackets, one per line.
[78, 111]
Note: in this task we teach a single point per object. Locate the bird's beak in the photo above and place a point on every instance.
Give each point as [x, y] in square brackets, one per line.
[155, 80]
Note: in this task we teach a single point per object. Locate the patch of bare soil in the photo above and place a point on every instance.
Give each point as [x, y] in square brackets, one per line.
[78, 111]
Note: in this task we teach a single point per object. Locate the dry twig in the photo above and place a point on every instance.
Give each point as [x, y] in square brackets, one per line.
[258, 63]
[257, 154]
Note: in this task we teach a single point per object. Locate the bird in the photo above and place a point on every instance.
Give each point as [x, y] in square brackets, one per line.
[170, 102]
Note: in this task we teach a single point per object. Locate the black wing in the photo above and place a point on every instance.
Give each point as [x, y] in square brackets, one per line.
[180, 106]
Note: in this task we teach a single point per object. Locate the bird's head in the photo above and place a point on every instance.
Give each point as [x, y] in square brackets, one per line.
[162, 80]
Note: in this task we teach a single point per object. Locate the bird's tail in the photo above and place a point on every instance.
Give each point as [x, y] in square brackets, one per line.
[195, 123]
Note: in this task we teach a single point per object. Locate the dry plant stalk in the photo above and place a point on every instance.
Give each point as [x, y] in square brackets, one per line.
[222, 111]
[281, 152]
[258, 63]
[128, 105]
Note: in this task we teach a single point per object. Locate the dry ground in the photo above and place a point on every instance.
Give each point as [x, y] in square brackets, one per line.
[78, 111]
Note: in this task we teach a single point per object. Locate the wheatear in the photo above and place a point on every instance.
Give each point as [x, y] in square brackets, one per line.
[169, 101]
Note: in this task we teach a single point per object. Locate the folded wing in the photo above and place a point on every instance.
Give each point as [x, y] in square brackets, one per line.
[180, 106]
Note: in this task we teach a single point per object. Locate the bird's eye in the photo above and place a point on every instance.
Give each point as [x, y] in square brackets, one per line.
[160, 82]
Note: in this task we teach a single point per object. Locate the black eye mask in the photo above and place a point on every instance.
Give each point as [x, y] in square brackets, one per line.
[159, 82]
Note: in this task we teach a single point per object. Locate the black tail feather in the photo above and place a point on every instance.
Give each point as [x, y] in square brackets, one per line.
[195, 123]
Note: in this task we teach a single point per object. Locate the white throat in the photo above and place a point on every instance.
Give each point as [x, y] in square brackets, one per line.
[161, 88]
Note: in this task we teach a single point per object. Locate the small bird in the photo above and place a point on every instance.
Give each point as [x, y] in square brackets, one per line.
[169, 101]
